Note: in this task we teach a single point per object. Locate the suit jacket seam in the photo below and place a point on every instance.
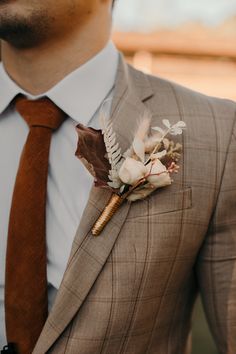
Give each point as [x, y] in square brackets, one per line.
[226, 156]
[68, 338]
[212, 277]
[129, 328]
[108, 329]
[181, 115]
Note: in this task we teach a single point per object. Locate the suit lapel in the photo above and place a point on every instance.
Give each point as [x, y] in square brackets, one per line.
[89, 253]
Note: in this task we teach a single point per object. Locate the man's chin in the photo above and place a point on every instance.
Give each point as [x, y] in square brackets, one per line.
[16, 31]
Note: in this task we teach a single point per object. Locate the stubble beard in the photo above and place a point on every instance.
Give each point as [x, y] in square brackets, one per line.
[24, 32]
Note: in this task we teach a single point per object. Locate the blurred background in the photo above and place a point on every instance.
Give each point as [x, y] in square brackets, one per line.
[192, 42]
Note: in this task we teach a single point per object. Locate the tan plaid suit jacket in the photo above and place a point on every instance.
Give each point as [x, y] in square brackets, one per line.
[132, 289]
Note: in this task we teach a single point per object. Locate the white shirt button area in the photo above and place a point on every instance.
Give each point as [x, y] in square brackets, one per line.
[80, 95]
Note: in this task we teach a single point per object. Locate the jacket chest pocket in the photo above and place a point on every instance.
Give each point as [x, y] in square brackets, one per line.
[163, 201]
[170, 202]
[159, 224]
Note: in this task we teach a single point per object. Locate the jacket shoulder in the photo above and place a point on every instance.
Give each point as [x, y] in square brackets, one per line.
[172, 98]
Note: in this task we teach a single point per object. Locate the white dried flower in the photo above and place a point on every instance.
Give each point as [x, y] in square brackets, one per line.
[132, 171]
[159, 176]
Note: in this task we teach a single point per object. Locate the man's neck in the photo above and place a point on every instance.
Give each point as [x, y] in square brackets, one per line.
[38, 69]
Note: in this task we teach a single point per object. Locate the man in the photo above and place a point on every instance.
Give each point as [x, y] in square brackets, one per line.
[131, 289]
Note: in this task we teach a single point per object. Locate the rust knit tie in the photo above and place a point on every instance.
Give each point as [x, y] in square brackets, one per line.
[26, 278]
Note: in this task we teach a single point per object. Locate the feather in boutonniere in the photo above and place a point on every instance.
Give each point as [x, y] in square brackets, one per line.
[146, 166]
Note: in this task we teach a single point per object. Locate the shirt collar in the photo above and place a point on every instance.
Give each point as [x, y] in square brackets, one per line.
[80, 93]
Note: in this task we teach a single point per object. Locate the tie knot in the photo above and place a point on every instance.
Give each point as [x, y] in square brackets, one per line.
[40, 113]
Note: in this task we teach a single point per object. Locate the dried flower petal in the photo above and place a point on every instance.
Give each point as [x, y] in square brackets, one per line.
[91, 148]
[158, 155]
[131, 171]
[139, 148]
[166, 122]
[158, 129]
[178, 128]
[159, 176]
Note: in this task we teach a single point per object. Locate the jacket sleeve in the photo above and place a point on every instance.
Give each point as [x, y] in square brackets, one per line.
[216, 265]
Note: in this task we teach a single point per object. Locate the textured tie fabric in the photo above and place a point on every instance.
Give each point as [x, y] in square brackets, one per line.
[26, 279]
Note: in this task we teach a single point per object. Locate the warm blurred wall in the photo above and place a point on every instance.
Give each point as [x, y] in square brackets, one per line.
[200, 58]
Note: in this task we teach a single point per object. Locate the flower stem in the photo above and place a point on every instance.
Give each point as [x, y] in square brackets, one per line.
[156, 148]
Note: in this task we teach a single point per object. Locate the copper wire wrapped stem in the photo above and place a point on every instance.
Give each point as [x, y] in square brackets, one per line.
[110, 209]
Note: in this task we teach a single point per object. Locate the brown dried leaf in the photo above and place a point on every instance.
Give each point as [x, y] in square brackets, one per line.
[92, 153]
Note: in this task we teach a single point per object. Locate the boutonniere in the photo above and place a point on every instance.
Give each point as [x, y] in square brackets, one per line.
[147, 165]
